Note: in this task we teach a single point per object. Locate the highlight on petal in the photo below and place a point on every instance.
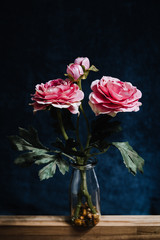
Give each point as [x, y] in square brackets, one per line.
[58, 93]
[110, 95]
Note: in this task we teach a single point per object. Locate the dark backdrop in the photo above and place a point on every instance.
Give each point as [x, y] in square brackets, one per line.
[38, 39]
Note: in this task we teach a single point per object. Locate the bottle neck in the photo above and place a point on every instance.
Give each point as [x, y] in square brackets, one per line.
[84, 167]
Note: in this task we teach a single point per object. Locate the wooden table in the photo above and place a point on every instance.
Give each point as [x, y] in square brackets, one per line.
[58, 228]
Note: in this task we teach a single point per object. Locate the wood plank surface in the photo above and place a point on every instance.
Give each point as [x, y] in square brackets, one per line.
[59, 228]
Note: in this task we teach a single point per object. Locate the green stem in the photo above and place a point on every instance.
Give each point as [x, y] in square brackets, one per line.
[59, 115]
[78, 207]
[95, 154]
[87, 123]
[64, 154]
[85, 192]
[86, 119]
[77, 134]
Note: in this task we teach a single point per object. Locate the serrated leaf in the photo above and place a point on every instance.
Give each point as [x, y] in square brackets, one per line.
[31, 136]
[20, 144]
[62, 165]
[27, 159]
[93, 68]
[103, 127]
[130, 157]
[48, 171]
[45, 158]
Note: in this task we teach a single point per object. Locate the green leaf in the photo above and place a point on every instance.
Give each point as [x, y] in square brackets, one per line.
[20, 144]
[27, 159]
[130, 157]
[35, 152]
[93, 68]
[48, 171]
[44, 158]
[101, 145]
[103, 127]
[27, 141]
[31, 136]
[62, 165]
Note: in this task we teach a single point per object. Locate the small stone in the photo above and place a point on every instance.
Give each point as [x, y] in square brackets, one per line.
[78, 222]
[95, 219]
[84, 223]
[84, 212]
[96, 215]
[86, 204]
[89, 215]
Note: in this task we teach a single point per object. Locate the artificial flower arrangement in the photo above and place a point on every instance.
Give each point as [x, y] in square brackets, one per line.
[63, 98]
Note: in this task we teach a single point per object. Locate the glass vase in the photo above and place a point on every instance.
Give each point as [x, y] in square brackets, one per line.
[84, 196]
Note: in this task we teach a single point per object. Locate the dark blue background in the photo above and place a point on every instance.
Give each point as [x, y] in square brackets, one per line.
[38, 39]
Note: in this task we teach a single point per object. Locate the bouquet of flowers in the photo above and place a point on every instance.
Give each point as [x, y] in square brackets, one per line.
[63, 98]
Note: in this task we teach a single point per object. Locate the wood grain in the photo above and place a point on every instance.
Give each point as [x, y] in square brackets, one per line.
[59, 228]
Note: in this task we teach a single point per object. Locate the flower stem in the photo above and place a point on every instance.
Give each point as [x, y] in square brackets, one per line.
[77, 134]
[85, 192]
[86, 119]
[98, 153]
[79, 203]
[59, 115]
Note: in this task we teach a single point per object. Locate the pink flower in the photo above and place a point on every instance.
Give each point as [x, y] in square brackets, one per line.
[83, 61]
[58, 93]
[75, 71]
[110, 96]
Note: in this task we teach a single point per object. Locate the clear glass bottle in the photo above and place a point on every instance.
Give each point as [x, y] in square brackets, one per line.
[84, 196]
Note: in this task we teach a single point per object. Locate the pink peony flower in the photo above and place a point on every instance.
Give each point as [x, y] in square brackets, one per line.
[83, 61]
[110, 96]
[58, 93]
[75, 71]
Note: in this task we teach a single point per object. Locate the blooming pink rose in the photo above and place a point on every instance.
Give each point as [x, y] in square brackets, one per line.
[110, 96]
[83, 61]
[58, 93]
[75, 71]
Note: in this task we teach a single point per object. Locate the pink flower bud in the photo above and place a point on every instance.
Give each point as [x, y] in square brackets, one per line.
[75, 71]
[83, 61]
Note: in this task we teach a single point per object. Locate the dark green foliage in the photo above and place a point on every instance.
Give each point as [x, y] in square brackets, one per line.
[27, 141]
[101, 145]
[49, 170]
[35, 153]
[27, 159]
[104, 127]
[130, 157]
[68, 147]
